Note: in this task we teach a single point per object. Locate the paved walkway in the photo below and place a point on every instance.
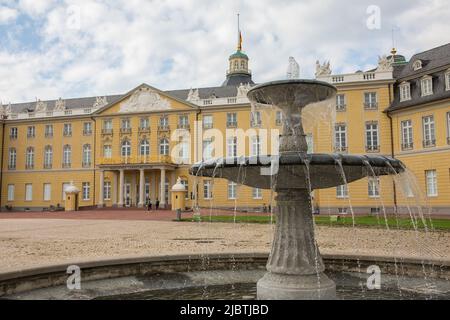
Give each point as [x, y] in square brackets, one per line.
[27, 243]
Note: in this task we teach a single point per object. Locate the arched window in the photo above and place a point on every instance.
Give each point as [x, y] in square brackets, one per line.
[126, 148]
[12, 160]
[48, 157]
[67, 156]
[144, 148]
[86, 155]
[164, 147]
[29, 161]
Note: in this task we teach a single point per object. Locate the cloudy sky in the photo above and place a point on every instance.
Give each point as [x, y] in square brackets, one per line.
[71, 48]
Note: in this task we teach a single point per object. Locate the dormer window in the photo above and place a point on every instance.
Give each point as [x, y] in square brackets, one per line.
[417, 65]
[427, 86]
[447, 80]
[405, 91]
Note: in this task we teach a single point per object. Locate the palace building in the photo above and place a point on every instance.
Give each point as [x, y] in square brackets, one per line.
[122, 150]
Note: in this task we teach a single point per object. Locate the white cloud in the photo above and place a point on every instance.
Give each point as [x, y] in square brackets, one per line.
[182, 44]
[7, 15]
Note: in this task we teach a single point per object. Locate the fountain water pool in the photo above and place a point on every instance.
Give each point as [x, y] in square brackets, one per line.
[295, 270]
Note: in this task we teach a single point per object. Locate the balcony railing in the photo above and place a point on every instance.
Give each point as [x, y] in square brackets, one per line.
[67, 133]
[407, 146]
[107, 132]
[47, 166]
[341, 107]
[125, 130]
[184, 126]
[29, 166]
[163, 128]
[340, 149]
[136, 160]
[373, 149]
[255, 124]
[86, 164]
[144, 130]
[49, 134]
[371, 106]
[87, 132]
[11, 167]
[429, 143]
[67, 165]
[231, 124]
[207, 125]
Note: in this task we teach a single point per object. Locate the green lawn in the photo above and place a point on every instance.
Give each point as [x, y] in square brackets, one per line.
[360, 221]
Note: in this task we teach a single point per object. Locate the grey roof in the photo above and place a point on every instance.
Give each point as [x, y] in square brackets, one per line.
[74, 103]
[235, 79]
[435, 63]
[206, 93]
[432, 59]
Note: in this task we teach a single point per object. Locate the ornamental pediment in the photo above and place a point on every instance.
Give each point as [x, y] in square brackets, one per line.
[144, 99]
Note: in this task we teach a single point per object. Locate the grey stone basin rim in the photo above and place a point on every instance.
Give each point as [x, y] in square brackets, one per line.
[297, 159]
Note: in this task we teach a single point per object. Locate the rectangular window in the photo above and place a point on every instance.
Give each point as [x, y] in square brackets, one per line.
[447, 81]
[340, 102]
[448, 127]
[67, 131]
[255, 119]
[144, 123]
[256, 146]
[12, 160]
[107, 151]
[126, 124]
[342, 191]
[28, 192]
[64, 186]
[232, 190]
[429, 133]
[107, 190]
[87, 128]
[31, 131]
[207, 192]
[372, 141]
[340, 138]
[47, 192]
[208, 122]
[164, 122]
[232, 147]
[370, 100]
[208, 149]
[431, 181]
[407, 135]
[49, 131]
[11, 190]
[278, 118]
[257, 193]
[374, 187]
[107, 125]
[427, 86]
[86, 191]
[13, 133]
[232, 120]
[183, 122]
[405, 92]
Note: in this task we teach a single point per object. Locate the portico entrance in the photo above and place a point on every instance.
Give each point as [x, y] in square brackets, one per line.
[137, 184]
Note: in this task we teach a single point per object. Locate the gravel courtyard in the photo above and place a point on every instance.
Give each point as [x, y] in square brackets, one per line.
[27, 243]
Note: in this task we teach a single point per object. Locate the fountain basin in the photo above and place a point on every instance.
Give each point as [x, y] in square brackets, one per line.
[324, 168]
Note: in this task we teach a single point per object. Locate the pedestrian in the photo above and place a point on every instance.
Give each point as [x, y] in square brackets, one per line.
[157, 204]
[149, 204]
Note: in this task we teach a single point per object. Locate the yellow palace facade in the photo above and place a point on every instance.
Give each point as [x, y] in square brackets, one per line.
[124, 150]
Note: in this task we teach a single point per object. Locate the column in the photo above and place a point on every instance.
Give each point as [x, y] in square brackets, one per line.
[121, 182]
[153, 187]
[141, 188]
[162, 193]
[114, 189]
[101, 185]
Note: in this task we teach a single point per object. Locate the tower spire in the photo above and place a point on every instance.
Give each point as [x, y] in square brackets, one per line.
[239, 46]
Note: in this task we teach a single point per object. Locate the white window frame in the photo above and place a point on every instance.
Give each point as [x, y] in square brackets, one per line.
[48, 130]
[47, 196]
[231, 119]
[164, 147]
[29, 160]
[164, 121]
[208, 149]
[107, 124]
[67, 130]
[257, 194]
[405, 91]
[431, 183]
[13, 133]
[255, 149]
[407, 134]
[11, 192]
[207, 192]
[232, 147]
[342, 191]
[107, 151]
[429, 131]
[144, 147]
[12, 158]
[208, 121]
[86, 191]
[107, 190]
[87, 154]
[67, 155]
[87, 128]
[144, 123]
[340, 137]
[48, 156]
[255, 118]
[447, 80]
[28, 192]
[372, 136]
[125, 149]
[371, 100]
[341, 104]
[426, 86]
[373, 186]
[232, 190]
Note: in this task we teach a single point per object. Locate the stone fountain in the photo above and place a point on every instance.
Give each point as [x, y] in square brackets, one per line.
[295, 270]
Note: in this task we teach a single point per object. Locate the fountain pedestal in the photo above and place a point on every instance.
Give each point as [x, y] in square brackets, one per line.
[295, 267]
